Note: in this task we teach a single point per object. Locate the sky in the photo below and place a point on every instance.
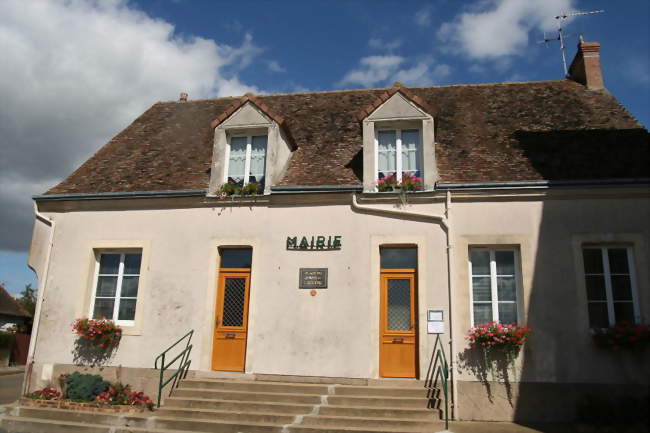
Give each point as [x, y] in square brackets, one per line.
[74, 73]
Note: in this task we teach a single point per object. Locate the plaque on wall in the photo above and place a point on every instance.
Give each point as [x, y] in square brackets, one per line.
[313, 278]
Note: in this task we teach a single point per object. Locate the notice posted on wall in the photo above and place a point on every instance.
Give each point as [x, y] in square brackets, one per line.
[435, 327]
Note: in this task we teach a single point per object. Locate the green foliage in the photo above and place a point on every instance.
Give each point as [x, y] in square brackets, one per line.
[232, 189]
[27, 299]
[84, 387]
[6, 339]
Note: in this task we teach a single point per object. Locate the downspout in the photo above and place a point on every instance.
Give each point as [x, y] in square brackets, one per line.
[39, 301]
[445, 223]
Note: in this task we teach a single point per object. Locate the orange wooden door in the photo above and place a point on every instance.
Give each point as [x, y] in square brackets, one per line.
[231, 321]
[398, 339]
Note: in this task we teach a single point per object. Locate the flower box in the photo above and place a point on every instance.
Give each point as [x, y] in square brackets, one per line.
[92, 406]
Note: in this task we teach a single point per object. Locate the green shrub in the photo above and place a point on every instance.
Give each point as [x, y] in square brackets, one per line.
[6, 339]
[84, 387]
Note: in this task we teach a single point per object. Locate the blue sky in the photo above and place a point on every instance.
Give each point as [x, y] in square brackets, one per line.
[77, 72]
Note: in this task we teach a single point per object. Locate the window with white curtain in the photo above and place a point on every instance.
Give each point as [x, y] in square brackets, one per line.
[494, 275]
[247, 159]
[398, 153]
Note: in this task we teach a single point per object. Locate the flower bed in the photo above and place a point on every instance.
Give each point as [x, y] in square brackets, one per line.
[101, 332]
[624, 335]
[91, 406]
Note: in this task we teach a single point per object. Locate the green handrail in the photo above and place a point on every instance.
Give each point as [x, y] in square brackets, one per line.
[181, 372]
[439, 370]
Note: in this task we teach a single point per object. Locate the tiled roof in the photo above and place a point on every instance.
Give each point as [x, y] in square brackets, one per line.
[551, 130]
[9, 306]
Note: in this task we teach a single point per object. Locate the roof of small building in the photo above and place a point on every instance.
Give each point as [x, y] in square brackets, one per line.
[548, 130]
[9, 306]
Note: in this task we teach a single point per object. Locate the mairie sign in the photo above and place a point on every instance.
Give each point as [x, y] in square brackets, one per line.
[314, 243]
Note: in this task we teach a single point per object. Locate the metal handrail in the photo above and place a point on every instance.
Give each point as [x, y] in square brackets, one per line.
[181, 372]
[439, 371]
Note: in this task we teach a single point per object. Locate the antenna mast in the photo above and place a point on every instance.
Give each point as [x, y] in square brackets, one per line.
[561, 36]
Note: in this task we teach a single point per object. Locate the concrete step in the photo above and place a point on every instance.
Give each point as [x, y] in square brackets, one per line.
[375, 412]
[377, 391]
[320, 429]
[248, 385]
[387, 423]
[387, 402]
[237, 406]
[250, 396]
[226, 415]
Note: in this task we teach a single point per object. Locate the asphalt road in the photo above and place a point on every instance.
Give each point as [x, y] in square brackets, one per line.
[10, 387]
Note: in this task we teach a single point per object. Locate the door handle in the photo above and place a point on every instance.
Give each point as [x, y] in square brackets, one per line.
[230, 336]
[398, 340]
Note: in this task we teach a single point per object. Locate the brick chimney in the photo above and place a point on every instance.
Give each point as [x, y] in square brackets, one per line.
[585, 68]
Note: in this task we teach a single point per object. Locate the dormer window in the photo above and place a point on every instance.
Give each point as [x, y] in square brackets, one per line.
[246, 160]
[398, 153]
[398, 141]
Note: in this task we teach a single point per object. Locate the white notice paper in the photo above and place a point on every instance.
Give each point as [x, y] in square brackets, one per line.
[436, 327]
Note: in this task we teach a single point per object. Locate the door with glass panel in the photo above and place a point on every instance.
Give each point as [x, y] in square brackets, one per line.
[398, 339]
[231, 313]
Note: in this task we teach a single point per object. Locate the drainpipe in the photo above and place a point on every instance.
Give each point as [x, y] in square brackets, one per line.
[445, 223]
[39, 301]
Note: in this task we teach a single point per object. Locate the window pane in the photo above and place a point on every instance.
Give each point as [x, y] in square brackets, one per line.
[236, 257]
[480, 262]
[481, 289]
[127, 309]
[482, 313]
[106, 286]
[109, 263]
[237, 161]
[399, 305]
[258, 159]
[506, 288]
[410, 145]
[505, 262]
[129, 287]
[621, 288]
[507, 312]
[618, 261]
[386, 151]
[233, 301]
[593, 261]
[598, 314]
[595, 287]
[132, 263]
[103, 308]
[623, 312]
[398, 258]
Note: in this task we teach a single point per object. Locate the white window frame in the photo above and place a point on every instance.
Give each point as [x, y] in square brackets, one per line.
[118, 289]
[398, 150]
[604, 253]
[247, 162]
[494, 293]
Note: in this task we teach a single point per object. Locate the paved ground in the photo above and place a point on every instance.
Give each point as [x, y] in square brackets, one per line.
[10, 387]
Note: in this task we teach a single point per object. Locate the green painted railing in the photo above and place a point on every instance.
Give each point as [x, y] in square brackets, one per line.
[438, 377]
[184, 365]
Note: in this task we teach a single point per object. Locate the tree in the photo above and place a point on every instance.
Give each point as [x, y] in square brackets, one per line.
[27, 299]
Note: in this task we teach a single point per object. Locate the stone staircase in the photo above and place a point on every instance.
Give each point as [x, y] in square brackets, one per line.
[254, 406]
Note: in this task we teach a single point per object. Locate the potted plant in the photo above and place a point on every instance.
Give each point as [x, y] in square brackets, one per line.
[623, 335]
[102, 333]
[387, 183]
[231, 189]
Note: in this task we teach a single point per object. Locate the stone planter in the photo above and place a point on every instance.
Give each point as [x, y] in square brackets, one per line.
[81, 406]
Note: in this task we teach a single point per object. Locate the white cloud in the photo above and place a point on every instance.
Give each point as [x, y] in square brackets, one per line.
[384, 70]
[495, 28]
[380, 44]
[423, 17]
[274, 66]
[75, 73]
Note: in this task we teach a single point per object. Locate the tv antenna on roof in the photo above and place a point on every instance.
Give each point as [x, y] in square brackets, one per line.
[561, 36]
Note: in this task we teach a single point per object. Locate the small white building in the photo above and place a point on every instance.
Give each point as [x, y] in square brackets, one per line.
[534, 209]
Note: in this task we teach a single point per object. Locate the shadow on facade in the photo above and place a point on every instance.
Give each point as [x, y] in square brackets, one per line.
[564, 376]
